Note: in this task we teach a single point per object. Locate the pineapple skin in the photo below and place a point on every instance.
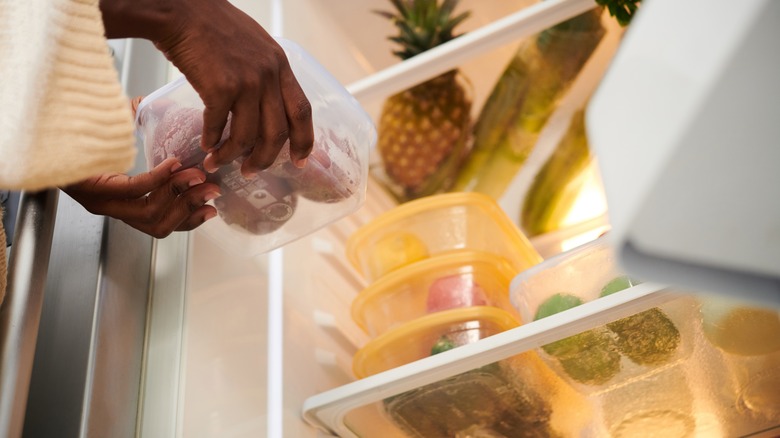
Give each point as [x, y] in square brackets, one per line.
[424, 133]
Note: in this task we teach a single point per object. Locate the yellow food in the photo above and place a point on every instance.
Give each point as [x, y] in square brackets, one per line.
[393, 251]
[740, 330]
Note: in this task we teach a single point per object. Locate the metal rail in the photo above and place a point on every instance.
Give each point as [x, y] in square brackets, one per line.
[21, 312]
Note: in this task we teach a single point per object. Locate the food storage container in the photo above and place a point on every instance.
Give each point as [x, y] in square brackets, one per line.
[500, 398]
[687, 367]
[448, 281]
[428, 335]
[746, 341]
[499, 404]
[620, 351]
[436, 225]
[283, 202]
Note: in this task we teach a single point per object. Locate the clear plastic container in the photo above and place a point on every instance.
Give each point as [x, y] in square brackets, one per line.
[489, 401]
[498, 399]
[428, 335]
[617, 353]
[692, 366]
[464, 279]
[283, 203]
[436, 225]
[747, 341]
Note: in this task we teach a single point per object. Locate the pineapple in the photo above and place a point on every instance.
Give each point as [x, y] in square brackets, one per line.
[423, 131]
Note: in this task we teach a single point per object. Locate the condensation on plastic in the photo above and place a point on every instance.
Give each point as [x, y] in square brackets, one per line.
[692, 366]
[283, 203]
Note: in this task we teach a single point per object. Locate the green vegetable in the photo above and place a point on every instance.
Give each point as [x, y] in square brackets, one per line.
[558, 183]
[523, 99]
[556, 304]
[442, 344]
[588, 357]
[622, 10]
[647, 338]
[617, 284]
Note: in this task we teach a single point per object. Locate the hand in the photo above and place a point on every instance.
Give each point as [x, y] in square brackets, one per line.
[157, 202]
[235, 66]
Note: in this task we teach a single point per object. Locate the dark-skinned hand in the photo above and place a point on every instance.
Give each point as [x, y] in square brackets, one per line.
[236, 68]
[157, 202]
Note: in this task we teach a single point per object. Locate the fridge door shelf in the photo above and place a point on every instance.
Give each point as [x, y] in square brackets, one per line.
[525, 22]
[328, 410]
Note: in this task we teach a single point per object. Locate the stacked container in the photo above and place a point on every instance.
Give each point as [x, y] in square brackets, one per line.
[440, 269]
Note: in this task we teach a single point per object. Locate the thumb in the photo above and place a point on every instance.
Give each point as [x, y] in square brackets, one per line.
[131, 187]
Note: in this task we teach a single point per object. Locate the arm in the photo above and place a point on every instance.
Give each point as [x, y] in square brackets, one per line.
[235, 67]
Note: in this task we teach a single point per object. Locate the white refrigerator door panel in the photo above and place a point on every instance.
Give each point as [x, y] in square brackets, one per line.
[685, 129]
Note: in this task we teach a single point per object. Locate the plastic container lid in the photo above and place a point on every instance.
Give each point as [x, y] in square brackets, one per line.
[283, 203]
[453, 280]
[434, 225]
[416, 339]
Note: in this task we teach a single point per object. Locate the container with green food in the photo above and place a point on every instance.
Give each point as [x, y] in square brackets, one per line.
[622, 350]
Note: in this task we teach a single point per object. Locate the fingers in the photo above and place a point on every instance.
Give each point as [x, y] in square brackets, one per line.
[185, 213]
[197, 218]
[177, 203]
[116, 185]
[243, 133]
[299, 117]
[263, 120]
[215, 117]
[134, 102]
[272, 136]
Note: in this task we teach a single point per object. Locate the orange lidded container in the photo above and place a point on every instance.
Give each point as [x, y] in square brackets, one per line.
[448, 281]
[436, 225]
[428, 335]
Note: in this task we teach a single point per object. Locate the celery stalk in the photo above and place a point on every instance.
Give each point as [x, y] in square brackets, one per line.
[556, 186]
[523, 99]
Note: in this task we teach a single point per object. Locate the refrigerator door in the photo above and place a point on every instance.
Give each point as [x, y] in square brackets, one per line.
[87, 371]
[691, 173]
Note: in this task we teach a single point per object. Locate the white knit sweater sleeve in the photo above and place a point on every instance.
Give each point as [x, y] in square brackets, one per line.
[63, 115]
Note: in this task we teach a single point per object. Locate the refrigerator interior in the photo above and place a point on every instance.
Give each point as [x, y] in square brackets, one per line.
[238, 347]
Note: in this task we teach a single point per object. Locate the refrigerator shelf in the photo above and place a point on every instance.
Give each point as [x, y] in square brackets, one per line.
[328, 410]
[525, 22]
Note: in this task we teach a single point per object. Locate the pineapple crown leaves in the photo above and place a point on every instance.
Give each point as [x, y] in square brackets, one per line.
[422, 24]
[622, 10]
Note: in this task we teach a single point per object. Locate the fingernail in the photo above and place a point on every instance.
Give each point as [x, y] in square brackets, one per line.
[301, 163]
[208, 166]
[210, 215]
[176, 166]
[195, 181]
[249, 175]
[211, 196]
